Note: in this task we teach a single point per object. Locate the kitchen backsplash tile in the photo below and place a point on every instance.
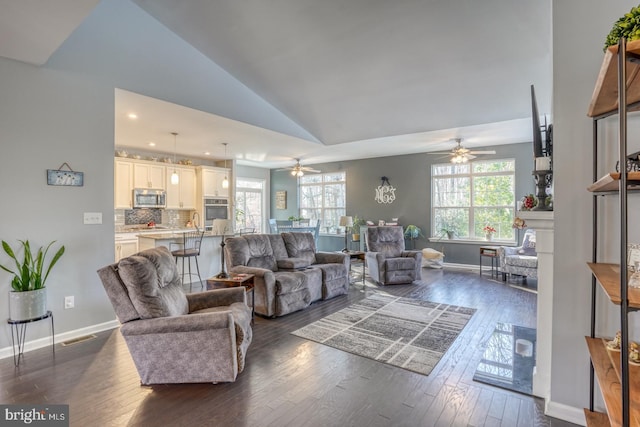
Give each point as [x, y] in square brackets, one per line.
[142, 216]
[167, 218]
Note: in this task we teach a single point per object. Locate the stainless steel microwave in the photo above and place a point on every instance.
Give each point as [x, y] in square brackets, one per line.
[149, 198]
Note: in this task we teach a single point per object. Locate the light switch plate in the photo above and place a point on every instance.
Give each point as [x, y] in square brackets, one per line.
[93, 217]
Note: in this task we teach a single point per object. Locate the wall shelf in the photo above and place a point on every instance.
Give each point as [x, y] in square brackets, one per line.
[610, 182]
[608, 275]
[604, 100]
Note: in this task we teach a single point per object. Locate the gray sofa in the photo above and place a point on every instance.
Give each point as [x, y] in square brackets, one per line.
[290, 273]
[175, 337]
[388, 261]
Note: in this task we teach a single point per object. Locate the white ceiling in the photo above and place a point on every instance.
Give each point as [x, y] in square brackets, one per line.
[367, 78]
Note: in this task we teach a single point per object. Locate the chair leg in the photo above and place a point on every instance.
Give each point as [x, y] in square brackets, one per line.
[190, 276]
[198, 270]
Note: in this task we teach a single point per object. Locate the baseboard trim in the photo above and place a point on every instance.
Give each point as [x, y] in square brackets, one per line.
[65, 336]
[565, 412]
[461, 266]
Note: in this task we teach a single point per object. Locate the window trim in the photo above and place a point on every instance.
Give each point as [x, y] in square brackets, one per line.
[323, 182]
[263, 191]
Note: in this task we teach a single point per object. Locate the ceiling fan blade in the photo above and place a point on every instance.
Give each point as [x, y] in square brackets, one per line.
[482, 152]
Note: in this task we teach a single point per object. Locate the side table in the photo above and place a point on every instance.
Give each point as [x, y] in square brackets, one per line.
[233, 281]
[357, 255]
[492, 253]
[19, 333]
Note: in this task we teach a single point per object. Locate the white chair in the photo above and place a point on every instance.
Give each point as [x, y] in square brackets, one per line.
[521, 260]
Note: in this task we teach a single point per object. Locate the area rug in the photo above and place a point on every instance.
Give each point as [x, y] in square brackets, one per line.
[403, 332]
[509, 359]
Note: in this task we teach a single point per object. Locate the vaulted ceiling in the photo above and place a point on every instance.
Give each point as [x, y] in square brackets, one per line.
[356, 73]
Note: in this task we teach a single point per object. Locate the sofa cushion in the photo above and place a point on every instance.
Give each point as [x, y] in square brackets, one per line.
[293, 263]
[300, 245]
[290, 281]
[252, 250]
[528, 244]
[278, 247]
[401, 263]
[387, 240]
[153, 283]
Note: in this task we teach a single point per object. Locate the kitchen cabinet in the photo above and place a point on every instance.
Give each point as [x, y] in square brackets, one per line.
[125, 248]
[123, 184]
[210, 181]
[149, 175]
[183, 194]
[617, 92]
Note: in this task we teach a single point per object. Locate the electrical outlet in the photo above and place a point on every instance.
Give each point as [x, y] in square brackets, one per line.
[93, 217]
[69, 302]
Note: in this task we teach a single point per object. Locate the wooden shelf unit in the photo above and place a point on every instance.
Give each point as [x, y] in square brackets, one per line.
[608, 275]
[611, 182]
[605, 94]
[596, 419]
[606, 364]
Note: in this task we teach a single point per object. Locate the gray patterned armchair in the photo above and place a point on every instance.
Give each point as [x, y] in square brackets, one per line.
[520, 260]
[388, 262]
[175, 337]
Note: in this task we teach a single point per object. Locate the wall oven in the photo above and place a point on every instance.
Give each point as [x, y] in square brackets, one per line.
[215, 208]
[148, 198]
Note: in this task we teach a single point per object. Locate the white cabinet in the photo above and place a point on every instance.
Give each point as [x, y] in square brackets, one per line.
[183, 194]
[123, 185]
[149, 175]
[210, 182]
[125, 248]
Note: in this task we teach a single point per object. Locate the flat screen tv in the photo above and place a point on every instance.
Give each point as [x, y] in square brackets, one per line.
[540, 148]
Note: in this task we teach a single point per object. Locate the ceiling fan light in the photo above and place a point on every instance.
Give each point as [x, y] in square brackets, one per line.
[300, 173]
[294, 172]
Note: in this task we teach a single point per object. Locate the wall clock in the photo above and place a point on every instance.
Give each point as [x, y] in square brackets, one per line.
[65, 177]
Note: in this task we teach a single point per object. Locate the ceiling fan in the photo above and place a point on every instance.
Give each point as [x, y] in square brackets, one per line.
[299, 170]
[459, 154]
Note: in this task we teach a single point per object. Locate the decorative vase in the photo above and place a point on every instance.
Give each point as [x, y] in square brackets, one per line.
[489, 237]
[27, 305]
[355, 237]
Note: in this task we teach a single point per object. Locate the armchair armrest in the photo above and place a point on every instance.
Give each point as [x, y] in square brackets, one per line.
[332, 258]
[412, 254]
[215, 298]
[184, 323]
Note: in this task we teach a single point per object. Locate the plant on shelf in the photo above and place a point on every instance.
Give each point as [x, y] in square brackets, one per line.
[529, 202]
[28, 298]
[448, 231]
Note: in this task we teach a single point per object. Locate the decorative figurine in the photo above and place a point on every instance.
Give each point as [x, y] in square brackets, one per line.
[616, 343]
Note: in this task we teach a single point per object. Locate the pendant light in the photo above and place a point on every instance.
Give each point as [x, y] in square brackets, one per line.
[225, 181]
[175, 178]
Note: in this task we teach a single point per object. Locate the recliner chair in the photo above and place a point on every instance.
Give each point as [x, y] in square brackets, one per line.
[387, 260]
[175, 337]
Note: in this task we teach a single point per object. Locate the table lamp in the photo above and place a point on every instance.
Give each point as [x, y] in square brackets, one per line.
[221, 227]
[346, 222]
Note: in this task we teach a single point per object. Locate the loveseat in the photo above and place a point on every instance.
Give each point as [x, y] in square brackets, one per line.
[289, 273]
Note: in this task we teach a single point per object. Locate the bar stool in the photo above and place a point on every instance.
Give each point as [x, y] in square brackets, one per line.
[189, 248]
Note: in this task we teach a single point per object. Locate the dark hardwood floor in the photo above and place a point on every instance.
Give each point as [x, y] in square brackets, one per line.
[290, 381]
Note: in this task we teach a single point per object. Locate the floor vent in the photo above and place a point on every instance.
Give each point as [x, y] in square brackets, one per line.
[79, 340]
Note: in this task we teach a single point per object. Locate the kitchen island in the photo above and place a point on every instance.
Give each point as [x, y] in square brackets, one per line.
[209, 259]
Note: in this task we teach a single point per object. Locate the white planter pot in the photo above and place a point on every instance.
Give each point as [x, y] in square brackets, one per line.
[27, 305]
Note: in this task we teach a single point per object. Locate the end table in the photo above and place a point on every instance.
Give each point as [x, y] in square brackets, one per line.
[233, 281]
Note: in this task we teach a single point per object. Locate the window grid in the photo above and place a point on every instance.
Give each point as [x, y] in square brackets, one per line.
[468, 219]
[323, 197]
[249, 212]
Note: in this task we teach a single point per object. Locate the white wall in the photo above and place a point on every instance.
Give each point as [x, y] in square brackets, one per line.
[579, 27]
[63, 112]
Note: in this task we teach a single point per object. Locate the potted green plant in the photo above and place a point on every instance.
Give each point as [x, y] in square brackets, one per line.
[412, 232]
[450, 232]
[355, 229]
[28, 298]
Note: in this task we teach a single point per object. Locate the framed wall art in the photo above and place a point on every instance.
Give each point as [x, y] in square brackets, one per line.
[65, 177]
[281, 199]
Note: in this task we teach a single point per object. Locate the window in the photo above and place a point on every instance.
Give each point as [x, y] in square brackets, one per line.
[249, 204]
[469, 196]
[323, 197]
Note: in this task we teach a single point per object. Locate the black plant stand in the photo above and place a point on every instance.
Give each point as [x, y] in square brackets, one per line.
[19, 332]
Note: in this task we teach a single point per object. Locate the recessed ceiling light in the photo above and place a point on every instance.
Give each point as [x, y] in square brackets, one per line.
[206, 153]
[132, 116]
[152, 144]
